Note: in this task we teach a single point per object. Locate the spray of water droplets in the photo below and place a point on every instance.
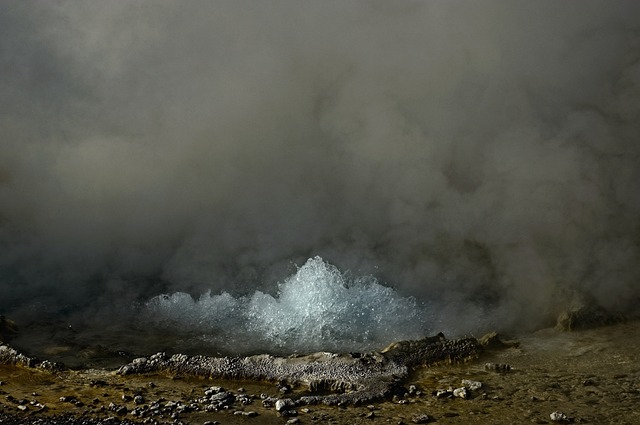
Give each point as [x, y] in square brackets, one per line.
[317, 308]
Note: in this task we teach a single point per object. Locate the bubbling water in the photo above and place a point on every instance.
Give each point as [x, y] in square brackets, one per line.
[317, 308]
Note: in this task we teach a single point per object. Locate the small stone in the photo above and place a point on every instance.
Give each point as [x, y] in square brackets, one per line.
[497, 367]
[283, 403]
[461, 392]
[243, 413]
[293, 421]
[268, 402]
[443, 393]
[284, 389]
[138, 399]
[471, 385]
[421, 419]
[371, 415]
[305, 410]
[22, 407]
[559, 417]
[214, 390]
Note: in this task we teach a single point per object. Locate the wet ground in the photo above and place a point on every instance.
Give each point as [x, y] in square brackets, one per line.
[590, 376]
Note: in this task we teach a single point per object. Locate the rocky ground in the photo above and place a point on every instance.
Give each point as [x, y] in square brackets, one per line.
[585, 376]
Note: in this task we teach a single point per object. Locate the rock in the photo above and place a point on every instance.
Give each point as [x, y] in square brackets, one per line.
[587, 315]
[497, 367]
[493, 340]
[250, 413]
[432, 350]
[138, 399]
[293, 421]
[472, 385]
[288, 413]
[443, 393]
[461, 392]
[349, 379]
[269, 402]
[421, 419]
[283, 404]
[244, 399]
[284, 389]
[560, 417]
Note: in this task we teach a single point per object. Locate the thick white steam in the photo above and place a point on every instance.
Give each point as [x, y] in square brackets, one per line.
[481, 156]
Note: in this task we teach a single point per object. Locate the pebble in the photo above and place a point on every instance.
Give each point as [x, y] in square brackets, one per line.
[250, 413]
[559, 417]
[497, 367]
[421, 419]
[284, 389]
[471, 385]
[443, 393]
[283, 403]
[293, 421]
[461, 392]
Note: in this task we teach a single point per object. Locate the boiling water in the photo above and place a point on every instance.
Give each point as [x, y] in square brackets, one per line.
[317, 308]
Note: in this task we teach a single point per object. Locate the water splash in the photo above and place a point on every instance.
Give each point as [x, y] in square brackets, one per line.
[317, 308]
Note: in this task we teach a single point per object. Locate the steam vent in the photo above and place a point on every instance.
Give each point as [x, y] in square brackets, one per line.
[343, 212]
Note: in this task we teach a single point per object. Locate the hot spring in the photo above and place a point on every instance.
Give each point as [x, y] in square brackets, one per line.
[239, 176]
[316, 309]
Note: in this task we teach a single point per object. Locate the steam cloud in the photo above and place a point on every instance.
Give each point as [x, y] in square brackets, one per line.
[482, 154]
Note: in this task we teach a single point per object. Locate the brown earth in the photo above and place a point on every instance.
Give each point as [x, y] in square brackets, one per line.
[591, 376]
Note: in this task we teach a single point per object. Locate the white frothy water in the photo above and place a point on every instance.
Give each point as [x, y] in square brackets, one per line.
[317, 308]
